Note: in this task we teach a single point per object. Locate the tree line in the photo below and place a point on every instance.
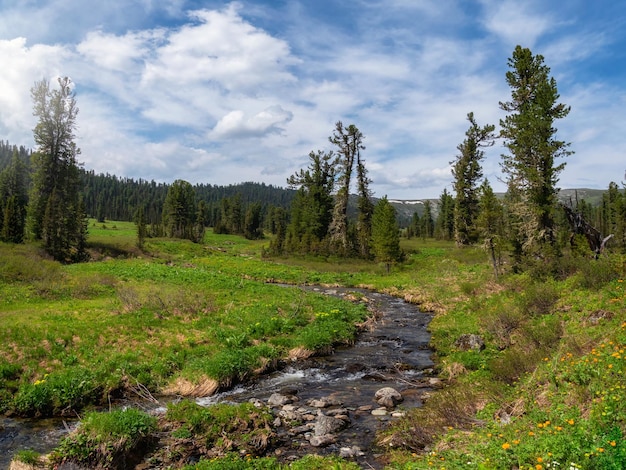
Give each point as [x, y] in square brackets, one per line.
[328, 207]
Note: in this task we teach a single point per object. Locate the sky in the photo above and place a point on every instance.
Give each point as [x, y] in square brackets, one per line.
[221, 93]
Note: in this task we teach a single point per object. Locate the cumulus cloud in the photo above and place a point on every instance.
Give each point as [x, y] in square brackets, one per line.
[236, 124]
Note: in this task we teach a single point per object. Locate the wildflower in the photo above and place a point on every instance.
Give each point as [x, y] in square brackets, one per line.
[539, 459]
[570, 422]
[506, 446]
[613, 443]
[539, 466]
[530, 433]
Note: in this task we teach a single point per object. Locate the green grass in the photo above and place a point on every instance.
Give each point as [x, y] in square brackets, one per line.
[153, 321]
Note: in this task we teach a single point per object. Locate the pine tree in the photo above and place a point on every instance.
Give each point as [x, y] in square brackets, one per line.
[385, 233]
[445, 218]
[179, 210]
[142, 229]
[467, 172]
[252, 228]
[427, 224]
[13, 200]
[529, 135]
[365, 209]
[56, 213]
[311, 209]
[489, 223]
[349, 143]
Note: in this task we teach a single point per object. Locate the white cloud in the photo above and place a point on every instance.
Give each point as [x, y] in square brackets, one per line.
[236, 124]
[514, 22]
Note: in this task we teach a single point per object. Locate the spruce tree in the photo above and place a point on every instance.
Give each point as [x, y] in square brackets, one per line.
[179, 210]
[13, 200]
[467, 172]
[56, 213]
[311, 209]
[385, 233]
[365, 209]
[489, 223]
[445, 218]
[427, 224]
[529, 135]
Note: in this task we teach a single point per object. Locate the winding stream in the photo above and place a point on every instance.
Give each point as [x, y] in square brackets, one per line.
[393, 353]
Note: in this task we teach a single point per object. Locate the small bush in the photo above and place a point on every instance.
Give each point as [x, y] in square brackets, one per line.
[539, 298]
[595, 274]
[502, 324]
[513, 363]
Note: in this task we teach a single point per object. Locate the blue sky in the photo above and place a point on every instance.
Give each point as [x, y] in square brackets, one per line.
[226, 92]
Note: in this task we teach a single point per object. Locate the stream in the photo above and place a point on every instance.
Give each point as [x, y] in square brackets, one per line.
[393, 352]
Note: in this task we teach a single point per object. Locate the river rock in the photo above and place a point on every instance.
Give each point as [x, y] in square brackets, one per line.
[467, 342]
[379, 412]
[278, 399]
[324, 402]
[350, 452]
[337, 412]
[327, 424]
[322, 441]
[388, 397]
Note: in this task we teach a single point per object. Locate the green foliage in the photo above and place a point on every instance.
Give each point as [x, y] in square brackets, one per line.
[179, 211]
[246, 426]
[385, 233]
[105, 440]
[56, 212]
[538, 298]
[529, 134]
[27, 456]
[59, 393]
[467, 172]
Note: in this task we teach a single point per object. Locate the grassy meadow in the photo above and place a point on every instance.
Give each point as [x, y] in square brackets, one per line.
[547, 391]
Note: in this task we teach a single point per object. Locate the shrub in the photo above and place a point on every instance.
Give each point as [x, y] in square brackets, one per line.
[539, 298]
[595, 274]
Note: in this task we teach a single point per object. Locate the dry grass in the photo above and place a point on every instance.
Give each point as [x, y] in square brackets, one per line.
[183, 387]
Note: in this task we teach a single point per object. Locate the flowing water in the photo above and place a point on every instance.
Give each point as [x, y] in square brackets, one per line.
[393, 352]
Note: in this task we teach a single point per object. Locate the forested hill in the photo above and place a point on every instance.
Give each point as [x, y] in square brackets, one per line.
[112, 197]
[115, 198]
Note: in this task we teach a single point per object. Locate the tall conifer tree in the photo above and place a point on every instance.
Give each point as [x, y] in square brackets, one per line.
[529, 135]
[56, 212]
[467, 172]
